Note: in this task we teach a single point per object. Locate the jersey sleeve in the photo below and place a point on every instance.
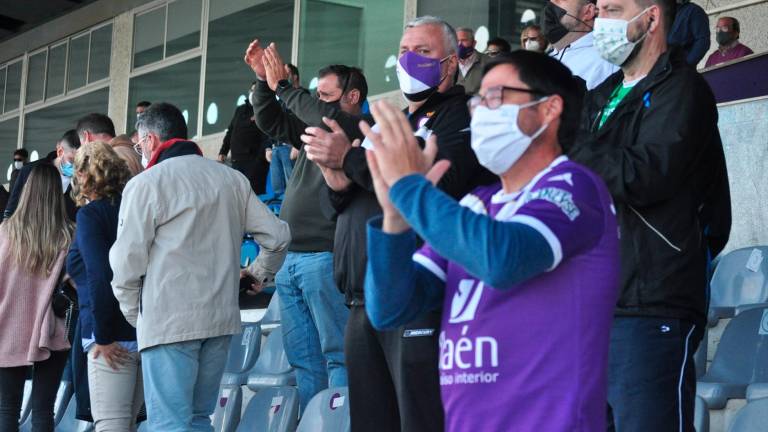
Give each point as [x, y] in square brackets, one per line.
[431, 261]
[567, 210]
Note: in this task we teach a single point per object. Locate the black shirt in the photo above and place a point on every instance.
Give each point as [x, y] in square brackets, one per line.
[244, 138]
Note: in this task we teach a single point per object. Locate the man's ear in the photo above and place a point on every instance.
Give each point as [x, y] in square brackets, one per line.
[589, 12]
[553, 108]
[353, 97]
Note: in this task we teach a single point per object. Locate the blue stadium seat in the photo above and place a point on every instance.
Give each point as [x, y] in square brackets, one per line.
[63, 396]
[328, 411]
[740, 282]
[70, 424]
[25, 407]
[272, 368]
[243, 352]
[274, 409]
[701, 416]
[226, 416]
[700, 356]
[757, 391]
[272, 316]
[741, 359]
[752, 418]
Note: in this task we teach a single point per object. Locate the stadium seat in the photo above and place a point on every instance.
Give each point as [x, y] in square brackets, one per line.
[328, 411]
[70, 424]
[740, 360]
[63, 396]
[700, 356]
[701, 416]
[274, 409]
[272, 368]
[25, 407]
[740, 282]
[272, 316]
[226, 416]
[753, 417]
[757, 391]
[243, 353]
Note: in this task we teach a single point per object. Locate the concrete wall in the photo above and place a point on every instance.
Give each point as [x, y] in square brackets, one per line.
[744, 130]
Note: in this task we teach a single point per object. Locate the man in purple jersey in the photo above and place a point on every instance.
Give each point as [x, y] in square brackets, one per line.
[526, 270]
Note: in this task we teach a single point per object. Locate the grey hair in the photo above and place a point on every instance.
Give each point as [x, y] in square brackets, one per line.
[466, 30]
[164, 120]
[449, 34]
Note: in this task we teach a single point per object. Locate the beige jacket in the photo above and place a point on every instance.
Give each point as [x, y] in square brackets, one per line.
[123, 146]
[177, 254]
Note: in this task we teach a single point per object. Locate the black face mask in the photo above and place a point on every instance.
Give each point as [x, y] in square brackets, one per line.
[336, 104]
[553, 29]
[724, 38]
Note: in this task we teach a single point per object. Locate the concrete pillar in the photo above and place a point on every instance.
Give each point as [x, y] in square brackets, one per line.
[120, 70]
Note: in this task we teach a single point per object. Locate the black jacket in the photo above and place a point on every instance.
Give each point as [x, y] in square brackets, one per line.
[244, 139]
[661, 156]
[445, 115]
[18, 187]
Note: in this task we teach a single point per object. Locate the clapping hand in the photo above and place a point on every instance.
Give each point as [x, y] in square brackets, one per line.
[274, 66]
[327, 149]
[254, 57]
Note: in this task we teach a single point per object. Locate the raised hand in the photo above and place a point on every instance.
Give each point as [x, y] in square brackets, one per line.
[253, 58]
[325, 148]
[274, 66]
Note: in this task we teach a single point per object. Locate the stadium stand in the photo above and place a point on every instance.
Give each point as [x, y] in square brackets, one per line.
[274, 409]
[701, 416]
[753, 417]
[328, 411]
[272, 368]
[740, 282]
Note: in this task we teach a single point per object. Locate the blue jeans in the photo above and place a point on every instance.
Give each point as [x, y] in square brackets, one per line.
[181, 382]
[651, 374]
[282, 167]
[313, 318]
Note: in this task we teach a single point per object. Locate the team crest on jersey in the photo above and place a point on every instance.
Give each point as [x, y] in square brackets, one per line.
[465, 301]
[559, 197]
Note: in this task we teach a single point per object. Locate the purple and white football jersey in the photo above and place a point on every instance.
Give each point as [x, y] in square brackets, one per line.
[533, 357]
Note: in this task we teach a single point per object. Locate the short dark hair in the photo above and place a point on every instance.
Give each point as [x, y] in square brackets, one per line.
[21, 152]
[71, 139]
[668, 10]
[144, 104]
[734, 23]
[501, 43]
[546, 76]
[350, 78]
[95, 123]
[294, 69]
[164, 120]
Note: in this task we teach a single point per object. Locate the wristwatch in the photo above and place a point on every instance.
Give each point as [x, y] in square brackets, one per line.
[283, 84]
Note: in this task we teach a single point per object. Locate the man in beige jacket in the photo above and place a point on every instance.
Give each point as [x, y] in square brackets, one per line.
[176, 267]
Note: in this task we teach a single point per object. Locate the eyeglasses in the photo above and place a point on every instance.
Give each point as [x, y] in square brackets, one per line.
[494, 97]
[137, 146]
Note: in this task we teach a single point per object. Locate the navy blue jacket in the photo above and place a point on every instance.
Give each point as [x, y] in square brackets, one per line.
[691, 32]
[88, 264]
[21, 180]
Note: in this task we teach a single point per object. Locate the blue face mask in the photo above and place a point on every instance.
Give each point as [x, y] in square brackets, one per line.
[67, 169]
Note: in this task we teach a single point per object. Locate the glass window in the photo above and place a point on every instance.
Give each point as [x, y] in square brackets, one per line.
[9, 135]
[13, 86]
[101, 49]
[44, 127]
[78, 62]
[148, 37]
[2, 88]
[489, 18]
[233, 25]
[368, 39]
[178, 84]
[183, 26]
[57, 61]
[36, 77]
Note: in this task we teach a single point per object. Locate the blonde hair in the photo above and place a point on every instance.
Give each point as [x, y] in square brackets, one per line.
[39, 230]
[99, 173]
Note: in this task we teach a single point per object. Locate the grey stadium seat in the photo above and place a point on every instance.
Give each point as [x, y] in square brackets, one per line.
[701, 416]
[243, 353]
[741, 359]
[740, 281]
[273, 409]
[757, 391]
[25, 407]
[226, 416]
[70, 424]
[272, 316]
[752, 418]
[328, 411]
[272, 368]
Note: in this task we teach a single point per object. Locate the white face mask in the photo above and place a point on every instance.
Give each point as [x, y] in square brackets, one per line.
[18, 165]
[497, 139]
[532, 45]
[611, 38]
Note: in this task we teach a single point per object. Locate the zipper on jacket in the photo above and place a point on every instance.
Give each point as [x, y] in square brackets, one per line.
[141, 295]
[658, 233]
